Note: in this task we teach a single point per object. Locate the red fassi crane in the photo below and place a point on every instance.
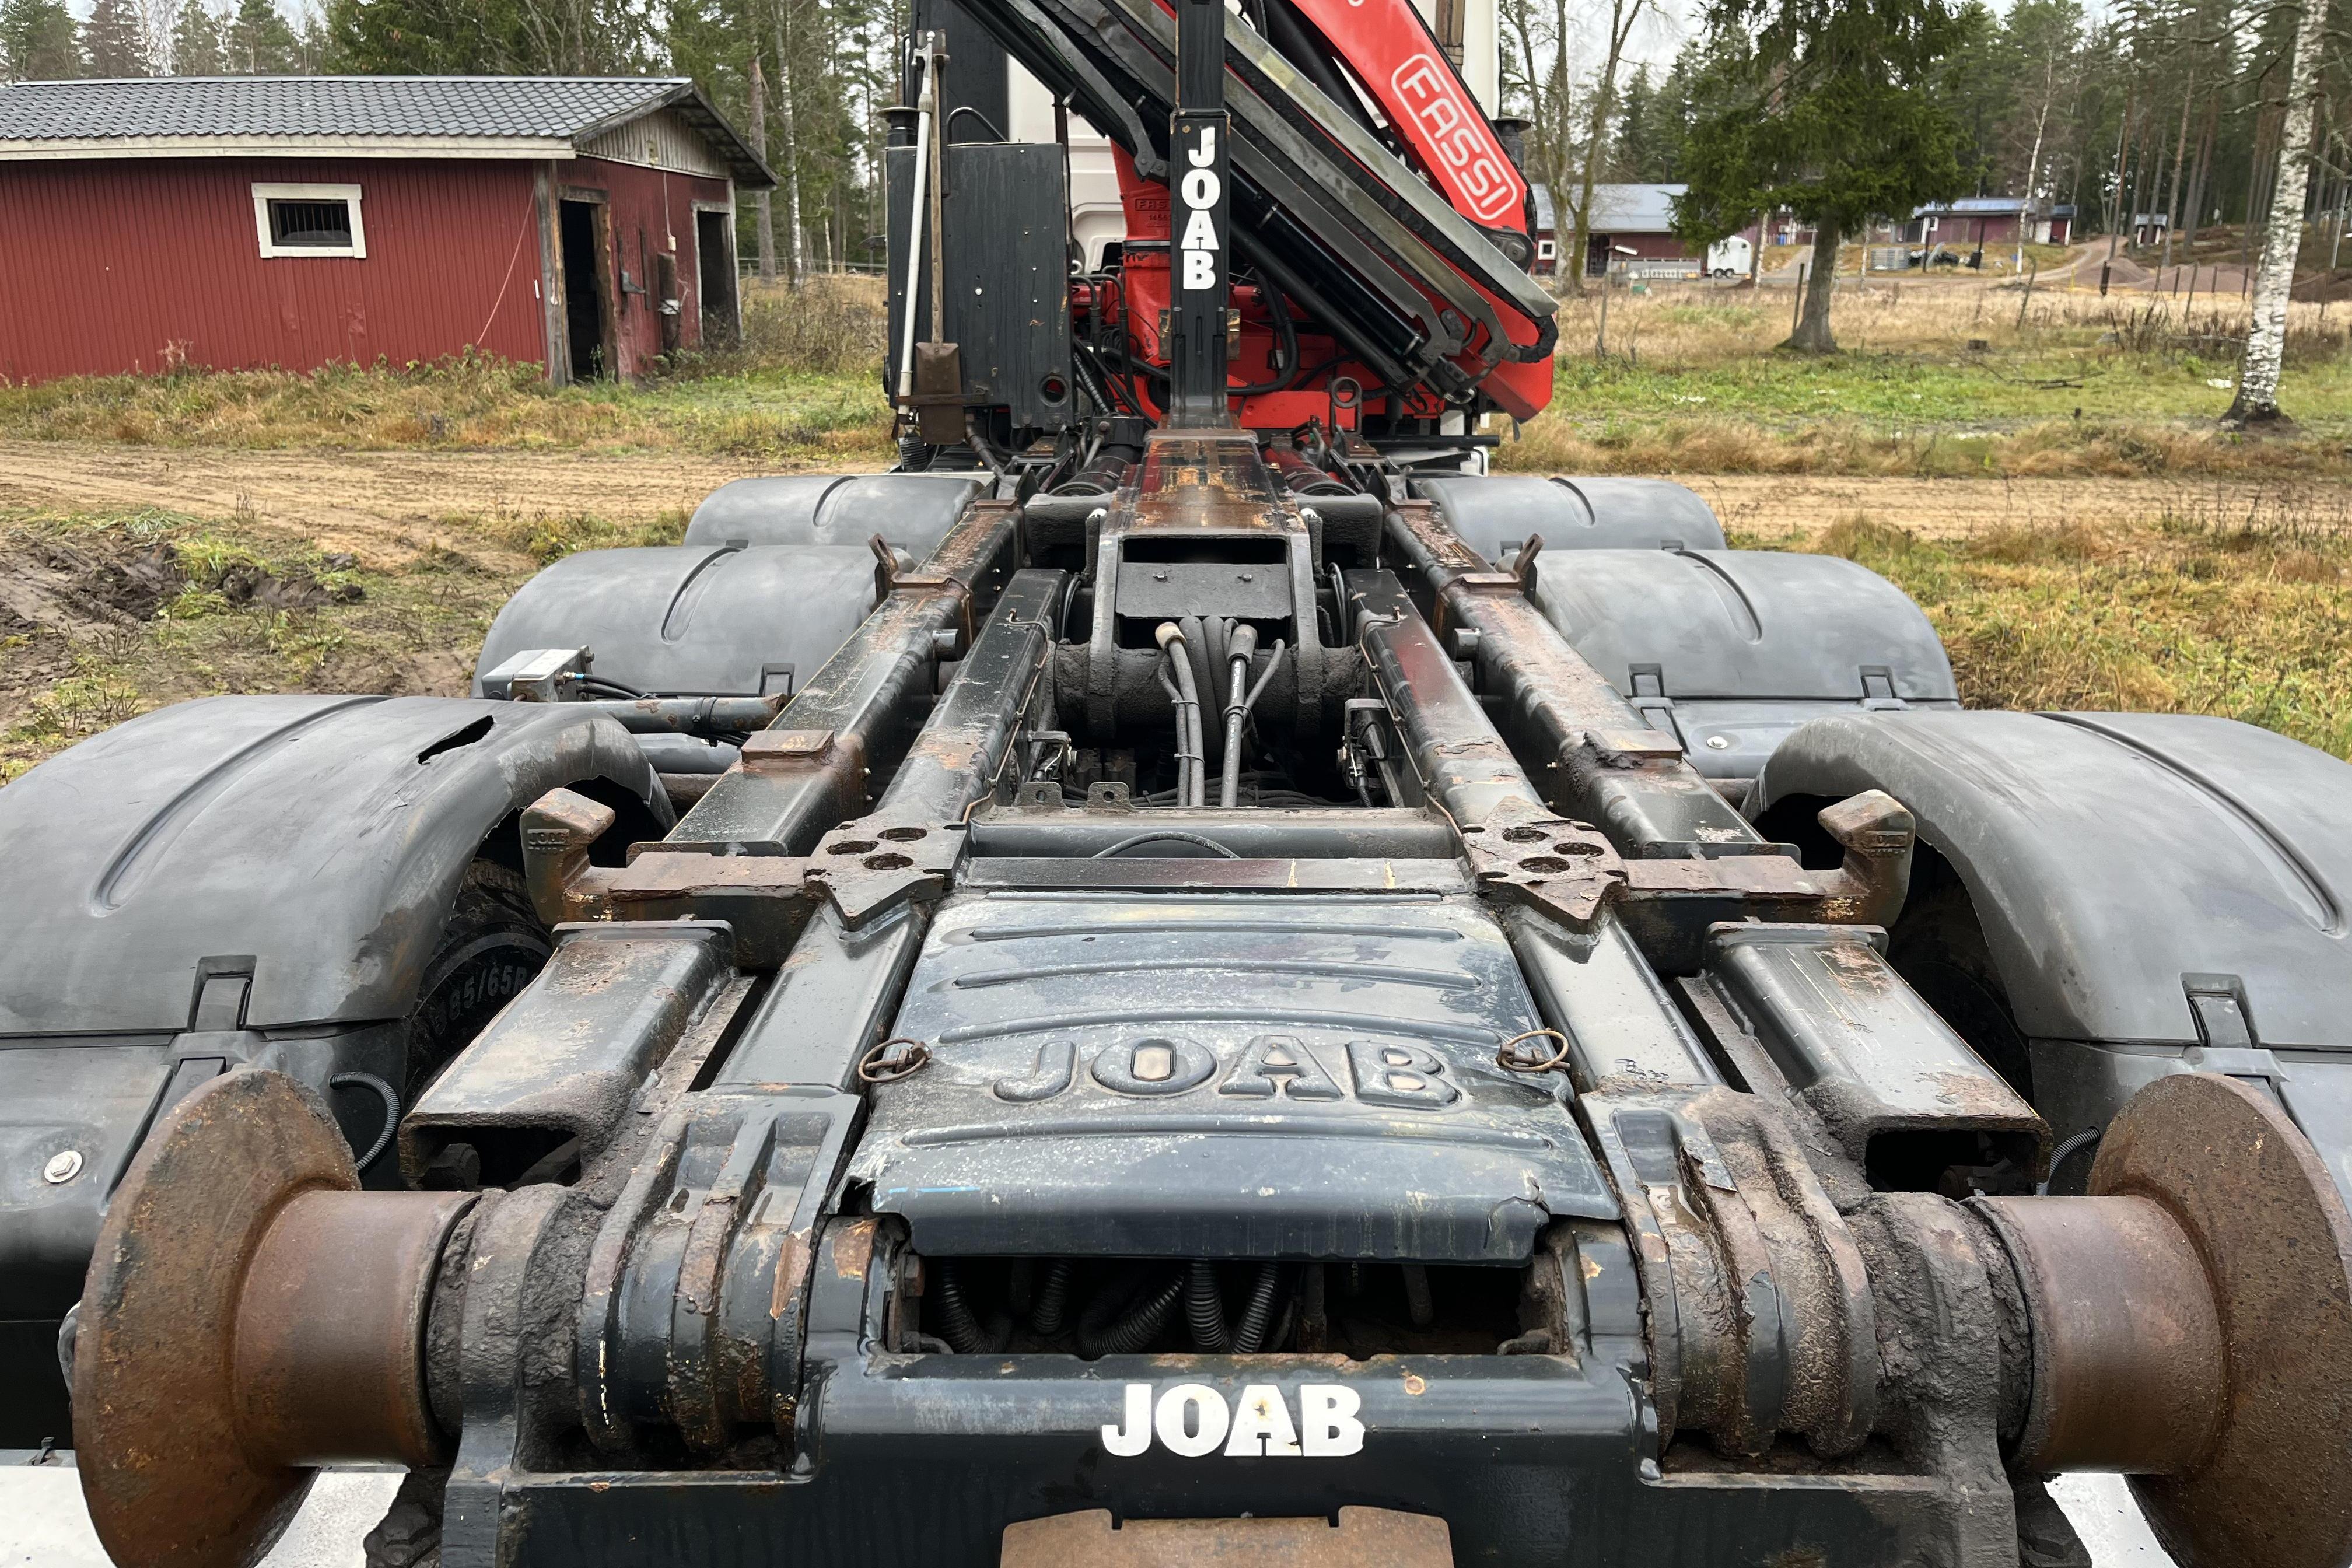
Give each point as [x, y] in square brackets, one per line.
[1399, 305]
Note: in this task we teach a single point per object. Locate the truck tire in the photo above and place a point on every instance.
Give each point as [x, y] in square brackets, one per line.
[1938, 946]
[493, 946]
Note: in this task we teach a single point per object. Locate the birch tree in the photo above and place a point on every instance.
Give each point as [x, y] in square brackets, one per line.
[2258, 373]
[795, 250]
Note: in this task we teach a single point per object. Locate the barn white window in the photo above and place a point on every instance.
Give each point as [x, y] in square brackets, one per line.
[309, 220]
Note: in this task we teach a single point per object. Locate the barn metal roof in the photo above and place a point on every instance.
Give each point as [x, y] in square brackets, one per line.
[420, 116]
[1633, 210]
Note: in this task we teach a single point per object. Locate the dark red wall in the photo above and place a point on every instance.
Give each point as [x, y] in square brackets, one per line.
[1651, 247]
[637, 200]
[109, 262]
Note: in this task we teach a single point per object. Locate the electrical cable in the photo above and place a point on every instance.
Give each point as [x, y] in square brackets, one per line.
[391, 1099]
[964, 109]
[1140, 1326]
[1053, 1298]
[1258, 1316]
[1164, 835]
[1205, 1308]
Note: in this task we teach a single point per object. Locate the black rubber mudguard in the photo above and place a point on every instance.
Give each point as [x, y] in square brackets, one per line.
[322, 837]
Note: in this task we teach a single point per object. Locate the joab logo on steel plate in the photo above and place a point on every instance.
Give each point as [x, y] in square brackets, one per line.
[1193, 1421]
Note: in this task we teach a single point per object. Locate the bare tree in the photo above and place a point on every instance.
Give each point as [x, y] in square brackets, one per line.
[1622, 14]
[762, 203]
[1536, 73]
[2179, 167]
[2258, 373]
[2034, 158]
[156, 19]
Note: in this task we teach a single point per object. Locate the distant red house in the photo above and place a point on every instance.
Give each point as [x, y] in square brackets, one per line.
[1632, 230]
[1974, 221]
[583, 223]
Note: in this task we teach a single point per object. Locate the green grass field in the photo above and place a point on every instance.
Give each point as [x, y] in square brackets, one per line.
[2192, 615]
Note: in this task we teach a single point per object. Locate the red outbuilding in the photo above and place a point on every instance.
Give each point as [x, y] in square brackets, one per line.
[585, 224]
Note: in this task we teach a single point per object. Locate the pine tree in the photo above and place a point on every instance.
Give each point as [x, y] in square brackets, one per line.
[1828, 110]
[258, 42]
[113, 41]
[580, 37]
[1631, 156]
[196, 41]
[36, 41]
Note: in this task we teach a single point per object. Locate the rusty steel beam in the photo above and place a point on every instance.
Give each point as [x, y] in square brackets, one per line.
[1452, 745]
[811, 769]
[1586, 747]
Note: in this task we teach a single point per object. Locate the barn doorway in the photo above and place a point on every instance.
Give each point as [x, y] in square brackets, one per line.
[585, 315]
[714, 255]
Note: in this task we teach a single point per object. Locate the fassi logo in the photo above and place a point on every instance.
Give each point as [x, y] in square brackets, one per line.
[1192, 1420]
[1485, 182]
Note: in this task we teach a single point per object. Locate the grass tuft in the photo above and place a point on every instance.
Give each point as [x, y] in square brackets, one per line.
[2217, 614]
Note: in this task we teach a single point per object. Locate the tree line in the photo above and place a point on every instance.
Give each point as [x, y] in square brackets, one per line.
[1846, 112]
[2172, 109]
[805, 80]
[41, 41]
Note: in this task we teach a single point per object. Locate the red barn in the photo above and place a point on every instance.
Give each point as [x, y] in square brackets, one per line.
[585, 224]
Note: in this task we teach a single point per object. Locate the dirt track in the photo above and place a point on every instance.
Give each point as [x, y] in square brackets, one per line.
[1771, 506]
[386, 506]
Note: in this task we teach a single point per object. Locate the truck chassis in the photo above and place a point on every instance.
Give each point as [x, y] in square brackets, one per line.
[1160, 988]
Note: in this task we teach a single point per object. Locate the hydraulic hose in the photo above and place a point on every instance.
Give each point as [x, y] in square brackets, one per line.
[1134, 1328]
[1172, 680]
[1203, 652]
[1239, 647]
[1053, 1297]
[1258, 1316]
[1205, 1308]
[1192, 766]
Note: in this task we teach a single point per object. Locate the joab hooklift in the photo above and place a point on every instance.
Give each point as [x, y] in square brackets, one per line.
[1187, 977]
